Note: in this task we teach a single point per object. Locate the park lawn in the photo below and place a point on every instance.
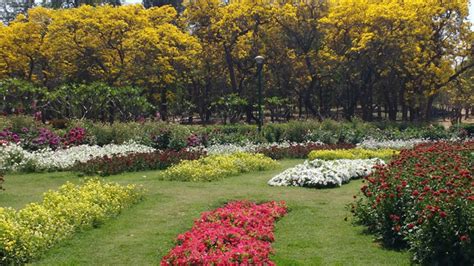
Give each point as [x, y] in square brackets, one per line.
[313, 233]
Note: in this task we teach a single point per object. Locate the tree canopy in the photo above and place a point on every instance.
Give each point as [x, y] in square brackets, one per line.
[323, 57]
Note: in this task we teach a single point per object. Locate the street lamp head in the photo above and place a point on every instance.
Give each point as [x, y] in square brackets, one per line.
[259, 59]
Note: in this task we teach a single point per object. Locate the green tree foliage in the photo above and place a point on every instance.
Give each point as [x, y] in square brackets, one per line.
[326, 58]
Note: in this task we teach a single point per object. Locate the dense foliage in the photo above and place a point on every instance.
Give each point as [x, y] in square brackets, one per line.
[175, 136]
[216, 167]
[327, 58]
[240, 233]
[115, 164]
[424, 200]
[351, 154]
[27, 233]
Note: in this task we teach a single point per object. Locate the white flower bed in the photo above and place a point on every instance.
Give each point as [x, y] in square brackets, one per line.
[320, 173]
[13, 157]
[220, 149]
[390, 144]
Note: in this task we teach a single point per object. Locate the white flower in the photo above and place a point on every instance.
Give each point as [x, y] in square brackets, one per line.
[320, 173]
[13, 157]
[249, 147]
[390, 144]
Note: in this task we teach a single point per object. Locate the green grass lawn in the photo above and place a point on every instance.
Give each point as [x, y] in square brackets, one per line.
[313, 233]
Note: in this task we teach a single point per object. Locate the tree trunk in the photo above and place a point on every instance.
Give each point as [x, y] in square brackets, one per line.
[163, 105]
[230, 66]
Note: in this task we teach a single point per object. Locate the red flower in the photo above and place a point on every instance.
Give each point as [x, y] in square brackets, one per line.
[443, 214]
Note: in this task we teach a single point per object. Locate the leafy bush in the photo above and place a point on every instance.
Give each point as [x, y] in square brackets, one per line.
[115, 164]
[176, 136]
[216, 167]
[239, 233]
[351, 154]
[424, 200]
[27, 233]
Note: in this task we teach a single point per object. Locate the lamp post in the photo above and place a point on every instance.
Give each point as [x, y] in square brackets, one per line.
[259, 60]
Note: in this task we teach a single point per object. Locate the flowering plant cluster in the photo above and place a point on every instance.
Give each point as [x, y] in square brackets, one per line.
[75, 136]
[320, 173]
[424, 200]
[15, 158]
[27, 233]
[373, 144]
[115, 164]
[299, 150]
[274, 150]
[215, 167]
[2, 179]
[6, 135]
[40, 138]
[240, 233]
[351, 154]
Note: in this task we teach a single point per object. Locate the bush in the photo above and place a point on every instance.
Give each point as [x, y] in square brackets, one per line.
[424, 200]
[176, 136]
[240, 233]
[115, 164]
[351, 154]
[216, 167]
[27, 233]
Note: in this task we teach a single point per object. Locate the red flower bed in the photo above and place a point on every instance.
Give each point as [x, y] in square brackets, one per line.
[300, 150]
[240, 233]
[2, 179]
[136, 162]
[424, 200]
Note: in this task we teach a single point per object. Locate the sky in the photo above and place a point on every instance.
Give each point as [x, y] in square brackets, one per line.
[471, 8]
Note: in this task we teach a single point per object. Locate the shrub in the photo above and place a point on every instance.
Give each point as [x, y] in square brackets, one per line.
[240, 233]
[115, 164]
[351, 154]
[424, 200]
[75, 136]
[216, 167]
[27, 233]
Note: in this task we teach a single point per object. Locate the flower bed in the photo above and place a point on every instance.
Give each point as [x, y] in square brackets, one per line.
[351, 154]
[274, 150]
[27, 233]
[320, 173]
[216, 167]
[424, 200]
[240, 233]
[299, 150]
[115, 164]
[34, 138]
[2, 179]
[15, 158]
[391, 144]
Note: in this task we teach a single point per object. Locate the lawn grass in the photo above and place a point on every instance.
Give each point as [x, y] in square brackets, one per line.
[313, 233]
